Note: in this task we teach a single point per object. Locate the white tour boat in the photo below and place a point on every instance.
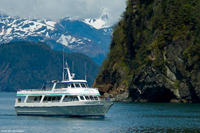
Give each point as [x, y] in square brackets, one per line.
[66, 98]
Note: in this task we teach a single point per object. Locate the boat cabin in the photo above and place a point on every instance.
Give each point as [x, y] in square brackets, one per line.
[60, 92]
[55, 99]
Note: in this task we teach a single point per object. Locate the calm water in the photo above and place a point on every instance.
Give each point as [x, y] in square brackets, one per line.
[122, 118]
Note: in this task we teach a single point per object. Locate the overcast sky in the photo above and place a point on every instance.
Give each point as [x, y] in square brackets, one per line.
[55, 9]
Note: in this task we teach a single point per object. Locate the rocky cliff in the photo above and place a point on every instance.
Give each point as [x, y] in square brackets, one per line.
[155, 53]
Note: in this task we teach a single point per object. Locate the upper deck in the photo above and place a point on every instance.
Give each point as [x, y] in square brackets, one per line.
[75, 87]
[64, 87]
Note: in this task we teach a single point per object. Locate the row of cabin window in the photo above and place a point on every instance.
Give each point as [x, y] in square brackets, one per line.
[88, 97]
[33, 99]
[72, 85]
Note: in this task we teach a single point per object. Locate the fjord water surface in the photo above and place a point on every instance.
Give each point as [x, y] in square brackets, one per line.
[122, 118]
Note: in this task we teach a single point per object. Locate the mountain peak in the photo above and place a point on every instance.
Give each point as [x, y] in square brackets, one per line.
[70, 32]
[105, 15]
[100, 22]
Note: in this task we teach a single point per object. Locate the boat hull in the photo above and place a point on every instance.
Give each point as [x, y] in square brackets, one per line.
[66, 110]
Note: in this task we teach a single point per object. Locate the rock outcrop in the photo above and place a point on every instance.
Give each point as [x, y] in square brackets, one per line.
[155, 53]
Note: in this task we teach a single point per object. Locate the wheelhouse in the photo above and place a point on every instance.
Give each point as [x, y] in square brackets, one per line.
[64, 85]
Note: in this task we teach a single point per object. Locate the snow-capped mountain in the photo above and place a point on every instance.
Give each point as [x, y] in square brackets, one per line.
[101, 22]
[89, 36]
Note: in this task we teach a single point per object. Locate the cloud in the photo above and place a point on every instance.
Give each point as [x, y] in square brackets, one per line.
[56, 9]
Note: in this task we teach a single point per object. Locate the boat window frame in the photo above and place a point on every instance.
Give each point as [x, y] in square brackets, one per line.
[75, 98]
[88, 99]
[21, 99]
[72, 98]
[62, 86]
[48, 86]
[85, 86]
[91, 98]
[49, 99]
[81, 98]
[79, 86]
[73, 85]
[96, 98]
[33, 99]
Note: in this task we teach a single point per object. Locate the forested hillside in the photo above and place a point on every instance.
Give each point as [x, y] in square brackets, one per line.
[26, 65]
[155, 53]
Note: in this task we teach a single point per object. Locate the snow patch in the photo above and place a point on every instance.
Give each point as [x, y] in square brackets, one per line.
[96, 23]
[101, 22]
[51, 23]
[9, 31]
[2, 31]
[63, 40]
[71, 39]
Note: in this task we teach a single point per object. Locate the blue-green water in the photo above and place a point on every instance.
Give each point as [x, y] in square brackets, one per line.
[122, 118]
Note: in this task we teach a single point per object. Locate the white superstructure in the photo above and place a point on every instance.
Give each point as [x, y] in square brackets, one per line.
[67, 97]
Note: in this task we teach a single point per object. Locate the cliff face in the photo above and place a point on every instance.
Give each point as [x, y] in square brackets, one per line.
[155, 53]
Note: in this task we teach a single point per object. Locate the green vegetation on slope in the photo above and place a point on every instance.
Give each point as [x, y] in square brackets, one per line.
[155, 49]
[26, 65]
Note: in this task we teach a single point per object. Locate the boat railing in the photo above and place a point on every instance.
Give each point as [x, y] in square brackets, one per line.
[48, 89]
[36, 90]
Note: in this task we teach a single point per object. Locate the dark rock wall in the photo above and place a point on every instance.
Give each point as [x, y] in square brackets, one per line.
[155, 53]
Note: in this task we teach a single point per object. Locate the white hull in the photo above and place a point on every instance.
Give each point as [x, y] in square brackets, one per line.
[79, 109]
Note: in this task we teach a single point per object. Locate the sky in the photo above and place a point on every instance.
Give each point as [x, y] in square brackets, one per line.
[56, 9]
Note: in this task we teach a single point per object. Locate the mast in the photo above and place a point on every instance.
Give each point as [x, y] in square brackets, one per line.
[63, 73]
[70, 77]
[85, 72]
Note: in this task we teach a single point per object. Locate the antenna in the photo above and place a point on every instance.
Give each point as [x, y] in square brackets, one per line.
[63, 73]
[70, 77]
[73, 66]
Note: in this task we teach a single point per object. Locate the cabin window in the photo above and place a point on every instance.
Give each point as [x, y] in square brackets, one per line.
[58, 86]
[87, 98]
[20, 99]
[82, 98]
[49, 99]
[95, 97]
[65, 85]
[48, 86]
[52, 98]
[56, 98]
[75, 98]
[34, 99]
[45, 99]
[83, 85]
[72, 86]
[91, 97]
[77, 85]
[70, 98]
[86, 85]
[61, 85]
[59, 98]
[67, 99]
